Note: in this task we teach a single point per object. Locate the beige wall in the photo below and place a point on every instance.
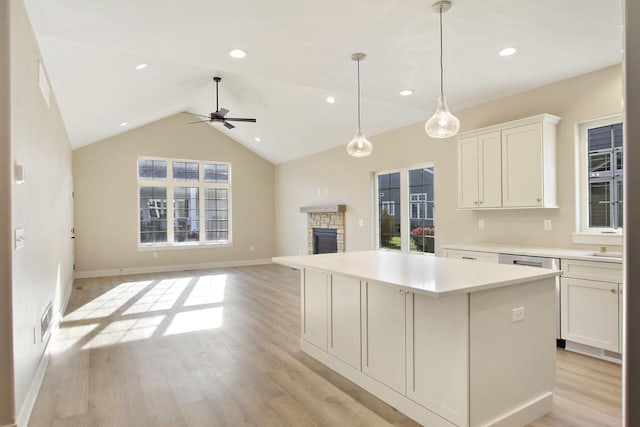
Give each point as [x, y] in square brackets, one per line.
[106, 195]
[333, 176]
[6, 376]
[42, 206]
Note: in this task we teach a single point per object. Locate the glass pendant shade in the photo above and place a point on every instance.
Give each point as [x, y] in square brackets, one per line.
[442, 124]
[359, 145]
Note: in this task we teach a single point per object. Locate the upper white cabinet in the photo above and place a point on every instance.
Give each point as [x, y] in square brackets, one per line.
[511, 165]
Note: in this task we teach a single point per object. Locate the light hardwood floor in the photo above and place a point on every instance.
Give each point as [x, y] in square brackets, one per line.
[220, 348]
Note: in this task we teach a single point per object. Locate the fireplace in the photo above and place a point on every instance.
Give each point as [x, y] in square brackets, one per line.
[325, 240]
[328, 218]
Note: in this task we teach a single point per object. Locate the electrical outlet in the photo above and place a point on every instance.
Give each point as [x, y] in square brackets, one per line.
[547, 225]
[361, 222]
[517, 314]
[481, 224]
[18, 241]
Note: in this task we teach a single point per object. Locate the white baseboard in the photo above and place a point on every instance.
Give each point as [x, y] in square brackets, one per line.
[168, 268]
[9, 425]
[36, 383]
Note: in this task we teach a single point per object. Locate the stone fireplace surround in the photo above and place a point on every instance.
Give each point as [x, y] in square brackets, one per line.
[325, 216]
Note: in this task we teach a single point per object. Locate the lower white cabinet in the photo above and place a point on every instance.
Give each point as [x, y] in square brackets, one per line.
[383, 335]
[591, 313]
[438, 374]
[314, 307]
[344, 319]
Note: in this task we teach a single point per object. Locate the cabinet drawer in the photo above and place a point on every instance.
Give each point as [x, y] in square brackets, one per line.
[473, 256]
[592, 270]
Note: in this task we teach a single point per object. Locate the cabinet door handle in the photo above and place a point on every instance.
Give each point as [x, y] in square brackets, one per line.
[613, 291]
[481, 202]
[538, 199]
[468, 257]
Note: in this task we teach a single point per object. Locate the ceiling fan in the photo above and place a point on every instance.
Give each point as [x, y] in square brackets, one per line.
[219, 116]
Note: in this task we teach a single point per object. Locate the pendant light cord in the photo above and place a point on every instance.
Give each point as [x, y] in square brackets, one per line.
[359, 129]
[441, 67]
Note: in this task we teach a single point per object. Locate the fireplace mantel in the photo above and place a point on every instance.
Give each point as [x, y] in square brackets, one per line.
[324, 209]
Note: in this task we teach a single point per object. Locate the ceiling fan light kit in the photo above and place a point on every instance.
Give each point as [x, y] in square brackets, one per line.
[359, 145]
[442, 124]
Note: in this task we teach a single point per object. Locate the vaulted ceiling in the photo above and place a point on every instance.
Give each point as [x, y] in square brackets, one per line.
[299, 52]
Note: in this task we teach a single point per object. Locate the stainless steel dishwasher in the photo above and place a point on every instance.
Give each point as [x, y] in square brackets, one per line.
[540, 262]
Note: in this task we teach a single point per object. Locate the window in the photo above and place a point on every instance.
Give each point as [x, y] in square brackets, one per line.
[405, 209]
[600, 176]
[199, 211]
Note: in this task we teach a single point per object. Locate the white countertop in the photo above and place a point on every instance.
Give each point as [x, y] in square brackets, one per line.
[534, 251]
[418, 273]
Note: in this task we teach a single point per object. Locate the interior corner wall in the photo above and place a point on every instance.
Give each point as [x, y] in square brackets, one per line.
[332, 176]
[106, 198]
[41, 206]
[631, 290]
[6, 346]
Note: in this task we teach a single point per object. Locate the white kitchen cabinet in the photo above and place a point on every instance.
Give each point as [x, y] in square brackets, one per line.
[437, 374]
[511, 165]
[473, 255]
[590, 313]
[383, 335]
[344, 323]
[479, 171]
[314, 307]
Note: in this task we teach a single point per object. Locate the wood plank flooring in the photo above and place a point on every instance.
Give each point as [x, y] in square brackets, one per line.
[220, 348]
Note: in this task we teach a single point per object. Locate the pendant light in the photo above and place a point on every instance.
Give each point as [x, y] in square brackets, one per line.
[359, 145]
[442, 124]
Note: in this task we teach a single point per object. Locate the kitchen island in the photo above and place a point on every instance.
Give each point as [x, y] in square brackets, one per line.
[447, 342]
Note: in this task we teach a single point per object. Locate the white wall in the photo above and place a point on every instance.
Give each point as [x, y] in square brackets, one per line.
[333, 176]
[106, 197]
[42, 205]
[6, 371]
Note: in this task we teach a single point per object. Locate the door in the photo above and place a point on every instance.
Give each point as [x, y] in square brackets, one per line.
[522, 167]
[314, 307]
[590, 313]
[344, 313]
[468, 163]
[383, 343]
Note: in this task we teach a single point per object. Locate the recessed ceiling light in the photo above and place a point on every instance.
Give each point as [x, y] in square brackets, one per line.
[406, 92]
[237, 53]
[141, 66]
[508, 51]
[331, 100]
[123, 124]
[257, 139]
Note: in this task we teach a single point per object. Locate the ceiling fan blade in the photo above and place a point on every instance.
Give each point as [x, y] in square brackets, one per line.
[228, 125]
[222, 112]
[236, 119]
[199, 121]
[194, 114]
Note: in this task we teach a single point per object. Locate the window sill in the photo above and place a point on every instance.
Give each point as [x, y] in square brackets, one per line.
[593, 238]
[180, 246]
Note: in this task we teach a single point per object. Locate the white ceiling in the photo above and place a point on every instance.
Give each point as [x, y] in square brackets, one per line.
[299, 52]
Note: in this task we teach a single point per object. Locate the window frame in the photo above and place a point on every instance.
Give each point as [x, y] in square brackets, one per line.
[170, 184]
[583, 233]
[405, 207]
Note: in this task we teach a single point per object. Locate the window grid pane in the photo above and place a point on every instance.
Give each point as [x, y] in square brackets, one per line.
[186, 171]
[216, 214]
[216, 172]
[186, 215]
[152, 169]
[389, 210]
[153, 214]
[421, 210]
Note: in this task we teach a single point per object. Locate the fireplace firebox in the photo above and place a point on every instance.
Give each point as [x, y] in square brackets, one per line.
[325, 240]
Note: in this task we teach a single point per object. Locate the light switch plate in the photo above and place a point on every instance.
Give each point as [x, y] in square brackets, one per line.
[517, 314]
[547, 224]
[19, 173]
[481, 224]
[18, 238]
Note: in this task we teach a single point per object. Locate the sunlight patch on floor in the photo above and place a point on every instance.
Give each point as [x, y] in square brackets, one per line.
[207, 290]
[122, 331]
[194, 321]
[109, 302]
